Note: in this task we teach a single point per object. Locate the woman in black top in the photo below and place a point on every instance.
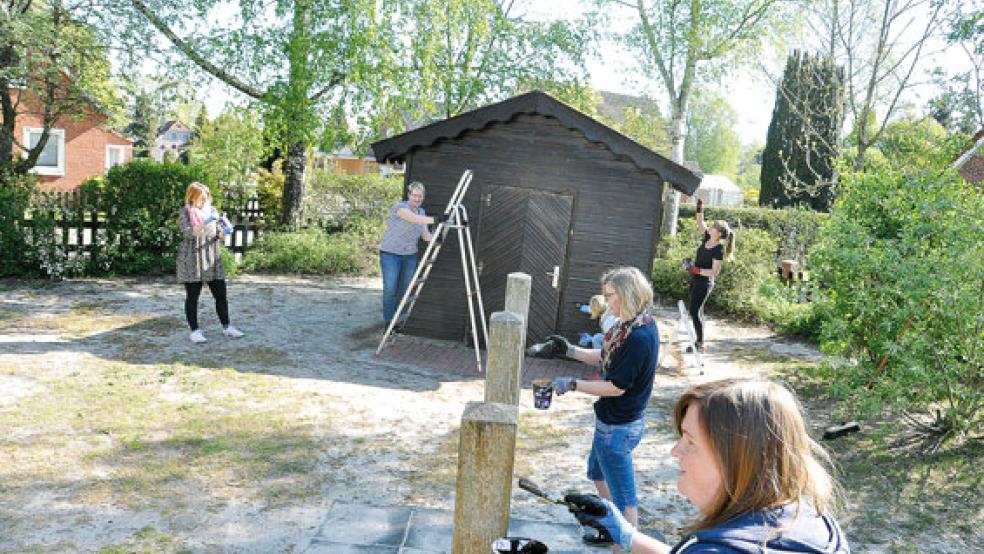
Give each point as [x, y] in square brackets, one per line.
[719, 241]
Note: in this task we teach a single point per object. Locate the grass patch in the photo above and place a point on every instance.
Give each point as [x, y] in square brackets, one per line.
[144, 437]
[893, 491]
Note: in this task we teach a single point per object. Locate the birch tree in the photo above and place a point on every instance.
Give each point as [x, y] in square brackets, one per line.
[683, 44]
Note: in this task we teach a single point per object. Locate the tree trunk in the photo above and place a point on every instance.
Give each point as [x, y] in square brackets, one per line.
[671, 196]
[293, 185]
[8, 59]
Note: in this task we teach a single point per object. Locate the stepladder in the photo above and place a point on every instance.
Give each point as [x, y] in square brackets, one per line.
[457, 220]
[687, 335]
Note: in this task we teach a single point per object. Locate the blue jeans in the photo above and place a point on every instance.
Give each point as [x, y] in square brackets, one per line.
[397, 272]
[611, 459]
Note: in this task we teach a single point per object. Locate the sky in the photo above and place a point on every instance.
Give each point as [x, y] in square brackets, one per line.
[750, 92]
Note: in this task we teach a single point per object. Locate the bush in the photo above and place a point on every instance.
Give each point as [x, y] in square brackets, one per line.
[141, 201]
[904, 285]
[270, 192]
[794, 229]
[15, 195]
[342, 201]
[747, 287]
[310, 251]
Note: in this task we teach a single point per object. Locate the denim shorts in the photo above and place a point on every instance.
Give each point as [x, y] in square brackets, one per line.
[611, 459]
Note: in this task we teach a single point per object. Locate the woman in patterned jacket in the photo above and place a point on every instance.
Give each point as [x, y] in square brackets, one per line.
[200, 259]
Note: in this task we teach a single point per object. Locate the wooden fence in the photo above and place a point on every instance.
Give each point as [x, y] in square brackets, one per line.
[80, 231]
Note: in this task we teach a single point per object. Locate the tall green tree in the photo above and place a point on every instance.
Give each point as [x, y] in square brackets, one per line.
[50, 64]
[298, 59]
[803, 142]
[457, 56]
[230, 147]
[683, 45]
[711, 138]
[315, 65]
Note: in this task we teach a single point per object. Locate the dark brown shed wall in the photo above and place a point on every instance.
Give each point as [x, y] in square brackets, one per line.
[616, 207]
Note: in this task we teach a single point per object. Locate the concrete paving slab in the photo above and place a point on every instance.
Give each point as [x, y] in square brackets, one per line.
[364, 525]
[431, 530]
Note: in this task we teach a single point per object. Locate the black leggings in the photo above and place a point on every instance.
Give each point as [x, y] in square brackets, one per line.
[700, 289]
[218, 290]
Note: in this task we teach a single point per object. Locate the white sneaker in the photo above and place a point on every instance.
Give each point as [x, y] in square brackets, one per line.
[198, 336]
[232, 332]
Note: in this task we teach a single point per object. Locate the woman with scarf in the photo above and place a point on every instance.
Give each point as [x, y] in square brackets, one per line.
[200, 259]
[628, 366]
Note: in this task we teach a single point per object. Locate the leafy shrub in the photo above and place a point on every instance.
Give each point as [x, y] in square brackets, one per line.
[141, 201]
[270, 191]
[309, 251]
[340, 201]
[904, 285]
[747, 287]
[795, 229]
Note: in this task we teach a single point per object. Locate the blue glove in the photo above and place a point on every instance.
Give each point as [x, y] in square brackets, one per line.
[562, 385]
[594, 511]
[586, 308]
[211, 217]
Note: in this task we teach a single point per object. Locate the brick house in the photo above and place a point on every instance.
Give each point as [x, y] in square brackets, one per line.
[174, 137]
[970, 164]
[79, 146]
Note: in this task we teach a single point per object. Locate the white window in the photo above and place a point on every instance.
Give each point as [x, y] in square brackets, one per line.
[52, 158]
[115, 155]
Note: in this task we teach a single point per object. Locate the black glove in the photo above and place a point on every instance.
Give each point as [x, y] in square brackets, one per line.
[439, 218]
[593, 511]
[561, 345]
[700, 205]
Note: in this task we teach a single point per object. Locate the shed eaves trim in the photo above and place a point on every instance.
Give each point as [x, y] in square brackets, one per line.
[536, 102]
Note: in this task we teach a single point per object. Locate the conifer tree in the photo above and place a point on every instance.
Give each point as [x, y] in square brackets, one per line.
[804, 135]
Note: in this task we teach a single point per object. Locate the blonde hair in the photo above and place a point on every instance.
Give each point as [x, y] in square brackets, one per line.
[196, 191]
[761, 446]
[728, 236]
[632, 288]
[598, 306]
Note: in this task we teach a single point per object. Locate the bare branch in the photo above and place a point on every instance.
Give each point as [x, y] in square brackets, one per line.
[193, 55]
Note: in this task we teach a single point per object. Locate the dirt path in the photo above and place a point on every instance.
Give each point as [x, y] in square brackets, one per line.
[123, 433]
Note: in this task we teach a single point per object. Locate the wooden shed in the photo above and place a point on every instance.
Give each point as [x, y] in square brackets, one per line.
[554, 192]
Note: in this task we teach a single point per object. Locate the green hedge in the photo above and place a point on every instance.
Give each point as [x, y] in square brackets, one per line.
[795, 230]
[141, 201]
[747, 288]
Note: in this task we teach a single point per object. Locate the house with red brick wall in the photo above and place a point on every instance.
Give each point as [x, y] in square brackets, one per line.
[970, 164]
[79, 146]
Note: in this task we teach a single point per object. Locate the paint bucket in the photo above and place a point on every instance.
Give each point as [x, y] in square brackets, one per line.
[518, 545]
[542, 393]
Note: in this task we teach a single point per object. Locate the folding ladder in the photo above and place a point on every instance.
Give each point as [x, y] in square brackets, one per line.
[457, 220]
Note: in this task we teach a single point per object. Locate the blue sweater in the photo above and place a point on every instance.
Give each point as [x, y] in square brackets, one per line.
[754, 532]
[633, 369]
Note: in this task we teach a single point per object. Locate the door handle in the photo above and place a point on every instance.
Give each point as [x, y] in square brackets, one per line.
[555, 276]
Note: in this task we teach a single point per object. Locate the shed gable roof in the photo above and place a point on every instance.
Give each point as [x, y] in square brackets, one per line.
[536, 102]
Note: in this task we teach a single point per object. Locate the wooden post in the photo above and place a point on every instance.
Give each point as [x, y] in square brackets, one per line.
[485, 467]
[518, 286]
[505, 362]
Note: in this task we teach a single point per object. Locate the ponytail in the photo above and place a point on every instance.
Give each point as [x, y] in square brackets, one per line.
[728, 236]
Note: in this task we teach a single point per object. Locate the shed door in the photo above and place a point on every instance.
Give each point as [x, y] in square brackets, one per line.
[524, 230]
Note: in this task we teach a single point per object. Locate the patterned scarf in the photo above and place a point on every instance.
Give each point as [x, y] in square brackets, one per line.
[616, 336]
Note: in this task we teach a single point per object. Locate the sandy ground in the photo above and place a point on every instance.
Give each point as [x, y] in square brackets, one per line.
[388, 434]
